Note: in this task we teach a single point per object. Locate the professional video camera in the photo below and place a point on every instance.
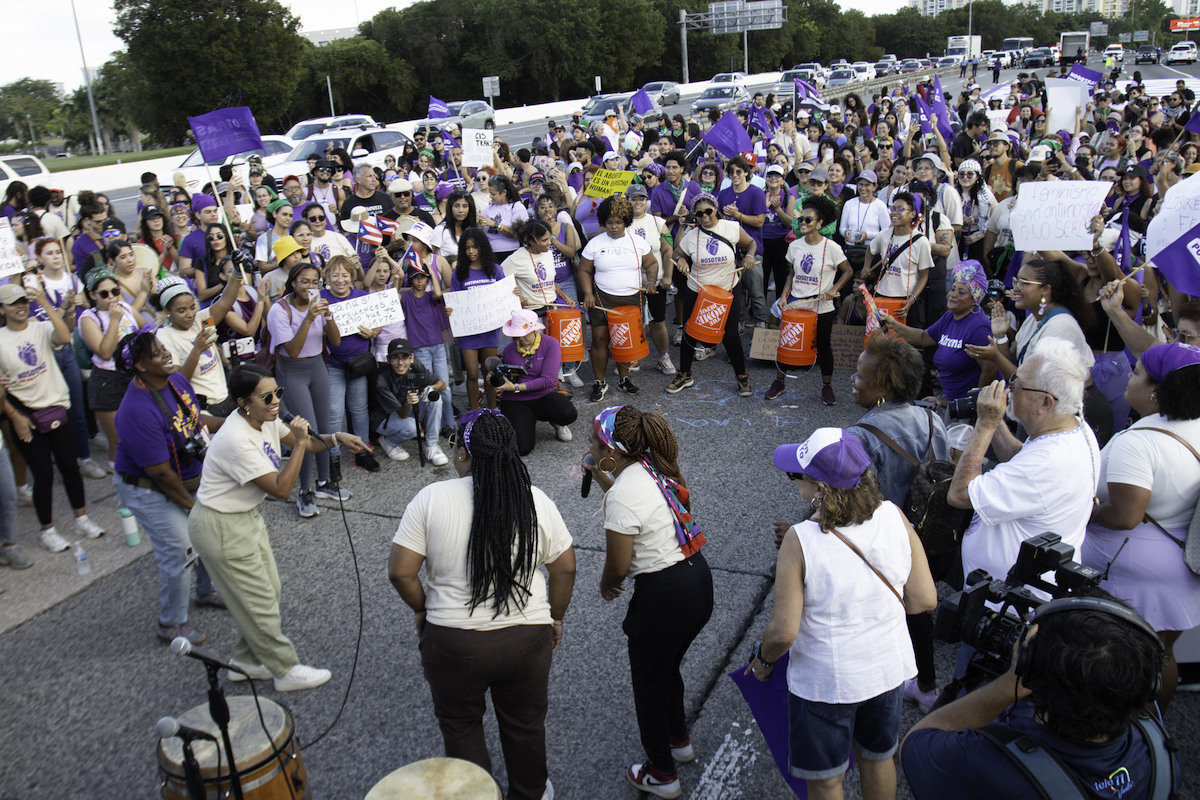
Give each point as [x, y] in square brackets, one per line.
[502, 372]
[965, 616]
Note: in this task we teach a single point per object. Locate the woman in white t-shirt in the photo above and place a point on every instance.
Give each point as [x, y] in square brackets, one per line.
[706, 254]
[460, 215]
[241, 467]
[486, 618]
[819, 270]
[192, 343]
[844, 581]
[1149, 487]
[610, 276]
[899, 259]
[652, 538]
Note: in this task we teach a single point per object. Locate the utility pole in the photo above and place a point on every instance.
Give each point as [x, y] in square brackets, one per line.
[329, 85]
[683, 42]
[87, 79]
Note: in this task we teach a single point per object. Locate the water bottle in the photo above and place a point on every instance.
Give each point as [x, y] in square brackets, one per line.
[129, 525]
[82, 565]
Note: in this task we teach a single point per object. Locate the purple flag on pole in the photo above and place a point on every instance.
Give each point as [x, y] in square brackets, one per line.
[641, 101]
[1193, 123]
[1084, 75]
[923, 114]
[938, 106]
[226, 132]
[759, 120]
[1124, 255]
[437, 108]
[728, 136]
[449, 141]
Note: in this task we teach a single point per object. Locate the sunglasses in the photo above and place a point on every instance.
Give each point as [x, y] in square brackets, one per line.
[277, 394]
[104, 294]
[706, 212]
[808, 220]
[316, 219]
[795, 476]
[402, 194]
[215, 237]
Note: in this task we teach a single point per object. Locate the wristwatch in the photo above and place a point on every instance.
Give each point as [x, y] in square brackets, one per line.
[494, 229]
[756, 654]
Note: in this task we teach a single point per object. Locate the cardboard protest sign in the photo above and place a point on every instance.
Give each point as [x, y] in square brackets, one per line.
[10, 257]
[608, 182]
[370, 311]
[847, 344]
[1054, 215]
[482, 308]
[1064, 97]
[477, 148]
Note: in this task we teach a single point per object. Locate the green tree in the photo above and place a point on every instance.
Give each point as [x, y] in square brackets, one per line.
[910, 34]
[201, 56]
[26, 101]
[364, 77]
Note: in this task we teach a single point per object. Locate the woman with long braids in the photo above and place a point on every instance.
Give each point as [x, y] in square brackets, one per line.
[652, 538]
[487, 619]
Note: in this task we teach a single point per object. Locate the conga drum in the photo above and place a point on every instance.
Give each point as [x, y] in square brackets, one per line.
[566, 325]
[437, 779]
[797, 338]
[892, 305]
[707, 323]
[626, 335]
[268, 769]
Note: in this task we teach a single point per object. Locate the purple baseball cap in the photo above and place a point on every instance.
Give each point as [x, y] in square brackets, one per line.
[1163, 359]
[830, 455]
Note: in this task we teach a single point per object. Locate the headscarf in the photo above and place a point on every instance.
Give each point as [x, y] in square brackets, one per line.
[468, 420]
[971, 273]
[97, 274]
[687, 531]
[1163, 359]
[169, 288]
[704, 197]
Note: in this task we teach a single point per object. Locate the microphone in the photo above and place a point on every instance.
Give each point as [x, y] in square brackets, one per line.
[490, 363]
[288, 416]
[587, 476]
[182, 647]
[169, 726]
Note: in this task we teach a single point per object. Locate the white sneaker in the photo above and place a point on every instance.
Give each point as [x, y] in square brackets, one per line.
[703, 353]
[666, 364]
[90, 469]
[52, 541]
[435, 456]
[302, 677]
[549, 793]
[88, 528]
[395, 453]
[256, 672]
[25, 495]
[459, 389]
[574, 379]
[562, 432]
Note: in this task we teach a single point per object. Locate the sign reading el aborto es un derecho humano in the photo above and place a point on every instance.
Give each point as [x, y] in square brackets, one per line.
[1054, 215]
[10, 257]
[607, 182]
[369, 311]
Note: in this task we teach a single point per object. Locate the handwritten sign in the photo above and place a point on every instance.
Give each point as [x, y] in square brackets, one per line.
[477, 148]
[1065, 98]
[483, 308]
[370, 311]
[10, 257]
[608, 182]
[847, 344]
[1054, 215]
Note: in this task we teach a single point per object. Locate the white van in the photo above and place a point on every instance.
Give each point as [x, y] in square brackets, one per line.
[1115, 50]
[1182, 51]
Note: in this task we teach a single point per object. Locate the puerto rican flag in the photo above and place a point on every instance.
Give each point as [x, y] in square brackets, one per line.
[388, 227]
[368, 231]
[412, 260]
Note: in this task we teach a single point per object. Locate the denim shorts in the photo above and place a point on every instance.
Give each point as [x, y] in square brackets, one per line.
[820, 735]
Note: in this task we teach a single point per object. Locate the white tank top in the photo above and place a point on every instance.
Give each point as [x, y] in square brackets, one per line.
[853, 642]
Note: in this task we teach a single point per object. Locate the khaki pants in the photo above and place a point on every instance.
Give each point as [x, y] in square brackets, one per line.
[238, 556]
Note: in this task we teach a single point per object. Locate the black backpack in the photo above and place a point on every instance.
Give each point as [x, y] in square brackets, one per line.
[939, 525]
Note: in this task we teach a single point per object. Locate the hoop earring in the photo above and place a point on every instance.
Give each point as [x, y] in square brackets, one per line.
[608, 472]
[816, 502]
[879, 403]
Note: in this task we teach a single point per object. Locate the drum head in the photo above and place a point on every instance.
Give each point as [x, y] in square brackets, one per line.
[250, 745]
[437, 779]
[147, 258]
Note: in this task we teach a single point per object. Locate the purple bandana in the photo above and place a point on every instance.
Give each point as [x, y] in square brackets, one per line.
[1163, 359]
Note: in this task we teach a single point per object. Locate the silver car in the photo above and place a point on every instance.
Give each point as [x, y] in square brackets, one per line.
[465, 114]
[595, 109]
[664, 93]
[722, 97]
[840, 77]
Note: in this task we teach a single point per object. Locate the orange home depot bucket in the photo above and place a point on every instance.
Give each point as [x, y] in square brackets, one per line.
[566, 325]
[707, 323]
[797, 338]
[892, 305]
[626, 336]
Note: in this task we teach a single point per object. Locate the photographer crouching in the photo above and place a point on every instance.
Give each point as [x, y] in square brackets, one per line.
[528, 381]
[407, 391]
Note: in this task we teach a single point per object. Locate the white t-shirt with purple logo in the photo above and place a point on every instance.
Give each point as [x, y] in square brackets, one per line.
[814, 269]
[237, 455]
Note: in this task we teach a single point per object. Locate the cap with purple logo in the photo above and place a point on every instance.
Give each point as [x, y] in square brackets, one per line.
[829, 455]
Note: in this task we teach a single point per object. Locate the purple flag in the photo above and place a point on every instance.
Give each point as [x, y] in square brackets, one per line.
[923, 114]
[759, 120]
[1193, 123]
[728, 136]
[938, 106]
[449, 141]
[1084, 75]
[1124, 255]
[226, 132]
[437, 108]
[642, 102]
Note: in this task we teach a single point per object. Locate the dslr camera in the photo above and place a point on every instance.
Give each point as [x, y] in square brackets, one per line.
[409, 384]
[509, 372]
[195, 446]
[965, 616]
[965, 409]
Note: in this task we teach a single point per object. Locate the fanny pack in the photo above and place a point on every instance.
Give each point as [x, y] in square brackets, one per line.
[47, 419]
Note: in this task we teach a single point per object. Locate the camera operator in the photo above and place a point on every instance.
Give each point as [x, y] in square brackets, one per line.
[1044, 484]
[406, 384]
[1086, 678]
[529, 393]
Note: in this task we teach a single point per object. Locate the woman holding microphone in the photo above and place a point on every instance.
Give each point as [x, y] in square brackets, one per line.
[227, 530]
[652, 538]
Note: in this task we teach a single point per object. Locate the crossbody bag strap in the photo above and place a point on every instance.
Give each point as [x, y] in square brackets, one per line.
[1049, 776]
[890, 442]
[1182, 543]
[878, 574]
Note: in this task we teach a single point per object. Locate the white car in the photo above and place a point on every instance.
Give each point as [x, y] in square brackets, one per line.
[864, 69]
[365, 146]
[1182, 51]
[274, 152]
[1116, 51]
[29, 170]
[302, 130]
[729, 77]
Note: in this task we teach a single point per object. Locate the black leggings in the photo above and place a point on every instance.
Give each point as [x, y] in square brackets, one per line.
[524, 415]
[666, 613]
[774, 259]
[731, 340]
[945, 567]
[41, 453]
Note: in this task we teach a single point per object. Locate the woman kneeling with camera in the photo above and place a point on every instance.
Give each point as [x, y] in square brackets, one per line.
[529, 391]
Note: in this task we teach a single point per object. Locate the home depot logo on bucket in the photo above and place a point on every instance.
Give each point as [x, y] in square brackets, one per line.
[711, 315]
[571, 332]
[618, 334]
[791, 333]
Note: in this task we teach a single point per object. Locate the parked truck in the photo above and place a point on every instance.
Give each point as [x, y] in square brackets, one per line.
[1072, 46]
[961, 47]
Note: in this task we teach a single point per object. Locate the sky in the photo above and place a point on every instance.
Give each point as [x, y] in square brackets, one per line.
[51, 51]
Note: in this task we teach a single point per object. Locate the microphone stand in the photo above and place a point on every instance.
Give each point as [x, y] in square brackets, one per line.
[191, 772]
[218, 709]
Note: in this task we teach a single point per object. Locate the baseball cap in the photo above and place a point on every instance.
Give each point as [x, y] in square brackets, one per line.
[537, 176]
[819, 174]
[151, 211]
[256, 170]
[607, 155]
[398, 347]
[775, 169]
[829, 455]
[868, 175]
[11, 293]
[1039, 153]
[998, 136]
[1136, 170]
[637, 190]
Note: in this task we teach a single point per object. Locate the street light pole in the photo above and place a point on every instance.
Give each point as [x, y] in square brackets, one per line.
[87, 80]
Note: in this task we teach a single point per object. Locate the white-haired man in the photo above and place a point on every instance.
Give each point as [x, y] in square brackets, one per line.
[1043, 484]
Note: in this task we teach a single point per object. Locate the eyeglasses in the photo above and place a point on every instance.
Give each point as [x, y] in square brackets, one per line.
[808, 220]
[705, 212]
[277, 394]
[1015, 385]
[1031, 283]
[316, 219]
[402, 194]
[1184, 336]
[104, 294]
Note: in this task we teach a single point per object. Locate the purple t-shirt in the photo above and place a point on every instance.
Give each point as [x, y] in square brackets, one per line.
[423, 315]
[147, 438]
[774, 227]
[751, 202]
[663, 201]
[352, 344]
[84, 246]
[541, 368]
[283, 329]
[958, 372]
[192, 245]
